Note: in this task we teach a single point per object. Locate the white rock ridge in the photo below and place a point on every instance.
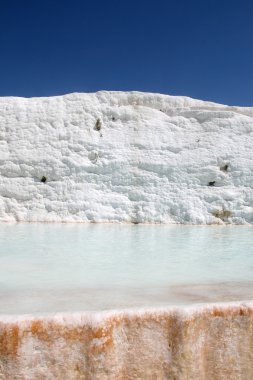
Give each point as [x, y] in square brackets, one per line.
[125, 157]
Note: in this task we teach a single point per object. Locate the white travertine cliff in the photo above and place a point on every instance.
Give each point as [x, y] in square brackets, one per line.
[125, 157]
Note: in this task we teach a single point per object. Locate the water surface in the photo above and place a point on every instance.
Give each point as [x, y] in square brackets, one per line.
[58, 267]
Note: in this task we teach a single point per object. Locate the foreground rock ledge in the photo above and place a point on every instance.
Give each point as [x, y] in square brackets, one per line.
[204, 342]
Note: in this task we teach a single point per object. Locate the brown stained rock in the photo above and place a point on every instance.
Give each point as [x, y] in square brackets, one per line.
[222, 214]
[9, 339]
[209, 342]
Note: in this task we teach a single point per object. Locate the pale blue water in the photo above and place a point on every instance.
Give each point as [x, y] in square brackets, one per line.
[99, 266]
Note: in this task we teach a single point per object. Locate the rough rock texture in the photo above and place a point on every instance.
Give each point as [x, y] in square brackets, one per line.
[209, 342]
[126, 157]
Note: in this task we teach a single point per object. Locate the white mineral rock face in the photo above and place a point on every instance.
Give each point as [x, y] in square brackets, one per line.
[125, 157]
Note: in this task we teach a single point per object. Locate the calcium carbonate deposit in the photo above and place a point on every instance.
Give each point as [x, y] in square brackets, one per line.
[125, 157]
[205, 343]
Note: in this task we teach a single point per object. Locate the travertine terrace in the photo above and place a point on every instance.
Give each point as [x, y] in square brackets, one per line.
[127, 157]
[208, 342]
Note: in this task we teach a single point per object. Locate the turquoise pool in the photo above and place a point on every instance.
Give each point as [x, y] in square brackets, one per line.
[59, 267]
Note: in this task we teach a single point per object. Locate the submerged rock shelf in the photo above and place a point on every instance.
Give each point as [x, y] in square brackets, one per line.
[187, 343]
[125, 157]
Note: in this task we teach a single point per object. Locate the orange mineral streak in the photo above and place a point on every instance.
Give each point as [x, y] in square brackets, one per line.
[212, 342]
[9, 339]
[101, 339]
[49, 331]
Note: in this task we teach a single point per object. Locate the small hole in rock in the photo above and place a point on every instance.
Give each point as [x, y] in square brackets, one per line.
[211, 183]
[113, 119]
[224, 168]
[98, 125]
[43, 179]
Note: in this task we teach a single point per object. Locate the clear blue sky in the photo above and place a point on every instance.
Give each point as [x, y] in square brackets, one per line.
[197, 48]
